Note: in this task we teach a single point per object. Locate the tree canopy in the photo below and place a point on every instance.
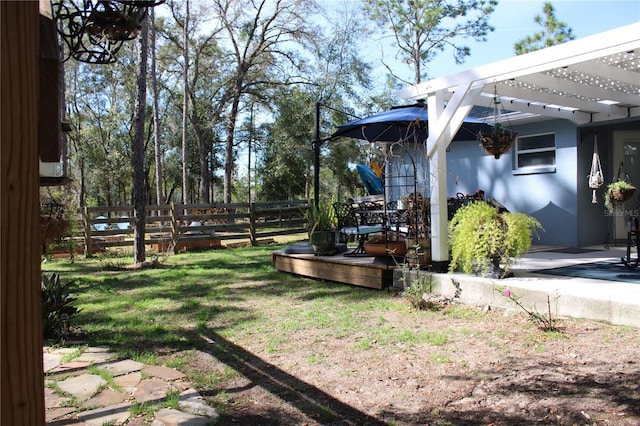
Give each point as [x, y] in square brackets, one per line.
[423, 28]
[553, 32]
[235, 81]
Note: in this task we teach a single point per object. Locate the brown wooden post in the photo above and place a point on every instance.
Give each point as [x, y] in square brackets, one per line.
[86, 220]
[174, 227]
[252, 224]
[22, 378]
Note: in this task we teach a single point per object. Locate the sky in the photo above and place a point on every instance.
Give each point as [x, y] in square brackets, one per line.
[513, 20]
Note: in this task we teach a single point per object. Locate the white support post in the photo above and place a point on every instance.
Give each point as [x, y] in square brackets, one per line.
[444, 123]
[438, 185]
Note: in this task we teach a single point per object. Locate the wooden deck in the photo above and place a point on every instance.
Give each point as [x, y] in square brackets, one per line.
[363, 271]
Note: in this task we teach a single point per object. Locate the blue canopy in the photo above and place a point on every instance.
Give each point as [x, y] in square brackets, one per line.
[408, 123]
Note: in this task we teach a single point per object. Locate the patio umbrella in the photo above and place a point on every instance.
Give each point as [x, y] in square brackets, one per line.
[407, 123]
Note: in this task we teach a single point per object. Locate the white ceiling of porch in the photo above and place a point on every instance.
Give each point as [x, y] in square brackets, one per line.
[589, 80]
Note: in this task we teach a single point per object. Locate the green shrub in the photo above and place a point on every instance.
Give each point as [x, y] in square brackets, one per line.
[57, 306]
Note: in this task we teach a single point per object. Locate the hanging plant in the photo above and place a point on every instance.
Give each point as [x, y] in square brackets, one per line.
[500, 140]
[618, 191]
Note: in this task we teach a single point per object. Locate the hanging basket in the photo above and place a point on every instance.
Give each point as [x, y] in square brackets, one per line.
[498, 142]
[622, 194]
[621, 189]
[618, 192]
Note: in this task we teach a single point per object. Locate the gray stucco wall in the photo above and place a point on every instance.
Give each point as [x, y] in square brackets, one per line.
[560, 200]
[549, 197]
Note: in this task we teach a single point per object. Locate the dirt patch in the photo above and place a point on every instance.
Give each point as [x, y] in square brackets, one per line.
[452, 367]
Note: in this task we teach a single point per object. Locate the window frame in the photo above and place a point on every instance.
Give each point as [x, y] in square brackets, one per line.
[526, 170]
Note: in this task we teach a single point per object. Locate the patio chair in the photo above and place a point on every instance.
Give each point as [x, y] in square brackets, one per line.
[398, 219]
[349, 225]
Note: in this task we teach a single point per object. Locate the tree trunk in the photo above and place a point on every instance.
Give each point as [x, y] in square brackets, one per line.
[203, 156]
[139, 192]
[185, 110]
[204, 168]
[228, 153]
[156, 113]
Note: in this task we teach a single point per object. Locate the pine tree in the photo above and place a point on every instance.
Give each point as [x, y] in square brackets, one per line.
[553, 32]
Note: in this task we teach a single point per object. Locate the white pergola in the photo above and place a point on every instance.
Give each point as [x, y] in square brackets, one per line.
[589, 80]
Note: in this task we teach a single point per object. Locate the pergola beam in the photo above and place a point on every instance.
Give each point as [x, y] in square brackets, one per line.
[572, 89]
[579, 51]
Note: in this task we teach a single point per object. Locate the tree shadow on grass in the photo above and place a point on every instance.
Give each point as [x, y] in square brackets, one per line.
[549, 392]
[302, 396]
[195, 294]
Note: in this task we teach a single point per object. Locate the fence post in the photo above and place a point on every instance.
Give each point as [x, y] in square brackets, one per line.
[252, 224]
[174, 227]
[86, 221]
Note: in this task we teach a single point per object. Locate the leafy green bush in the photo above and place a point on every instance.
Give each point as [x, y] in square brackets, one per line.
[486, 242]
[57, 306]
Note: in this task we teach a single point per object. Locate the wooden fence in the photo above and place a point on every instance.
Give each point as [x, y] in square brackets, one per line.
[177, 227]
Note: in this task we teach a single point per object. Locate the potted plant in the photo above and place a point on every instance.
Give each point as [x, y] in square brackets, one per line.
[389, 244]
[486, 241]
[322, 222]
[620, 190]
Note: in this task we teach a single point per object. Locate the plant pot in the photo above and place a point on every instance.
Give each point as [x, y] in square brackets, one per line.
[323, 242]
[393, 245]
[496, 272]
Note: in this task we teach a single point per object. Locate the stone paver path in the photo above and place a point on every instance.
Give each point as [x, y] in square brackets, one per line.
[75, 395]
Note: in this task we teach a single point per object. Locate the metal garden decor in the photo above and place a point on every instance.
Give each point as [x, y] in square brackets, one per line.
[500, 139]
[95, 30]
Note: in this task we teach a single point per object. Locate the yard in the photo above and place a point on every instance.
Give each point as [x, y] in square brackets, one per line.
[267, 348]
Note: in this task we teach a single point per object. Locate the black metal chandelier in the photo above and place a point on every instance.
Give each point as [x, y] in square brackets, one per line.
[95, 30]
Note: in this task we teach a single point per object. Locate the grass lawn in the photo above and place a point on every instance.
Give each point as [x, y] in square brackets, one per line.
[235, 293]
[267, 347]
[232, 296]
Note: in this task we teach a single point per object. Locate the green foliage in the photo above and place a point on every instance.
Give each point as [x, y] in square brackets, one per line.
[553, 32]
[619, 186]
[414, 292]
[423, 28]
[57, 306]
[321, 217]
[483, 239]
[282, 161]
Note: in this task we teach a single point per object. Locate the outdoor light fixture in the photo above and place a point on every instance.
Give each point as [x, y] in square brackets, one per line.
[94, 30]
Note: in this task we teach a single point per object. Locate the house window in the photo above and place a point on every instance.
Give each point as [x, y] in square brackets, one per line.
[535, 154]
